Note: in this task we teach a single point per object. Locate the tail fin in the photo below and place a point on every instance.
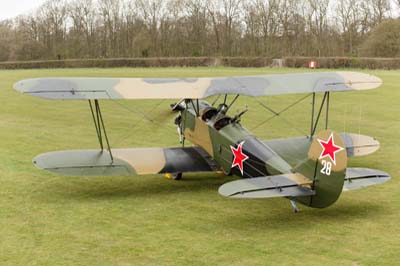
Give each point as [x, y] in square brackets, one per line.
[326, 167]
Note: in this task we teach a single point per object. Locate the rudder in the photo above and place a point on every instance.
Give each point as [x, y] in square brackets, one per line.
[326, 167]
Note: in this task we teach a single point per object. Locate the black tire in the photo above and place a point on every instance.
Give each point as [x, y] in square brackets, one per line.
[177, 176]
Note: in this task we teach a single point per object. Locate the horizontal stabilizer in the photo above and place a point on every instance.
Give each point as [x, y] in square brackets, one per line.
[290, 185]
[357, 178]
[294, 150]
[359, 145]
[195, 88]
[140, 161]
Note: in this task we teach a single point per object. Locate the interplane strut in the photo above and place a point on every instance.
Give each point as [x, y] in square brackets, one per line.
[100, 126]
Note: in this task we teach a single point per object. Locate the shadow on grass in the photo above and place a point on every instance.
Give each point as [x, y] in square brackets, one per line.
[342, 212]
[122, 187]
[339, 220]
[269, 214]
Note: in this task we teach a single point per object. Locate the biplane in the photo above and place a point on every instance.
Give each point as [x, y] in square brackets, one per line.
[310, 170]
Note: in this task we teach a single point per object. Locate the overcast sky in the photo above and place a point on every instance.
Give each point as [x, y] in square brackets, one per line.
[12, 8]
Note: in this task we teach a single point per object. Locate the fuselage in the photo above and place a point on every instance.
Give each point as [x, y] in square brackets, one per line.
[211, 129]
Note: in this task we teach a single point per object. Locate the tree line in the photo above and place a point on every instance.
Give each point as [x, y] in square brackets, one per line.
[62, 29]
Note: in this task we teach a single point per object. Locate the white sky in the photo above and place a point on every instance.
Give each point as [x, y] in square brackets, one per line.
[12, 8]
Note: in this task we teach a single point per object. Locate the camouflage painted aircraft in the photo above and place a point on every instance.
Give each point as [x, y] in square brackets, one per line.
[311, 170]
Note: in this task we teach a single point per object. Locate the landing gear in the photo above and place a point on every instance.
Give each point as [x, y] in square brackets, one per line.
[175, 176]
[294, 206]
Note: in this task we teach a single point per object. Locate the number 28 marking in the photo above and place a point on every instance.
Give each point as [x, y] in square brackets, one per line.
[326, 167]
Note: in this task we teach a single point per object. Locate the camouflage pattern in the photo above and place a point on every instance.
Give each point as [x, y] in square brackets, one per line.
[294, 150]
[289, 168]
[141, 161]
[327, 185]
[306, 183]
[293, 168]
[359, 145]
[217, 143]
[195, 88]
[266, 187]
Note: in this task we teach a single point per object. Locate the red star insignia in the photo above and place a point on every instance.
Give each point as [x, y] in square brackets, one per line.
[329, 149]
[240, 157]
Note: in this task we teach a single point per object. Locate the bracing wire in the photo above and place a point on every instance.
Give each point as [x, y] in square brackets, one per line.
[145, 116]
[216, 99]
[278, 114]
[344, 118]
[132, 110]
[360, 120]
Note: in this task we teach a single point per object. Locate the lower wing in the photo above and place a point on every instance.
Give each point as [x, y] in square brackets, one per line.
[140, 161]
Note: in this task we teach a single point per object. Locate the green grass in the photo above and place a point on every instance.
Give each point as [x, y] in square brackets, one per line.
[53, 220]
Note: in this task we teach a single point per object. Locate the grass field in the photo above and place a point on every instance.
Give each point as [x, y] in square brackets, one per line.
[53, 220]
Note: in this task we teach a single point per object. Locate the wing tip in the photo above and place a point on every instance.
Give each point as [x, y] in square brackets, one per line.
[223, 190]
[18, 86]
[361, 81]
[360, 145]
[24, 85]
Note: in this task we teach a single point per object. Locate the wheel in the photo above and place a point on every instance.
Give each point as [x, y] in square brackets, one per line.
[175, 176]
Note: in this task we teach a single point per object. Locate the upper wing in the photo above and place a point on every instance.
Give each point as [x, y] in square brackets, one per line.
[138, 161]
[289, 185]
[195, 88]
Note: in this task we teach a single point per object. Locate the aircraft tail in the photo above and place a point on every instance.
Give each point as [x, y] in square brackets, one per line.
[326, 167]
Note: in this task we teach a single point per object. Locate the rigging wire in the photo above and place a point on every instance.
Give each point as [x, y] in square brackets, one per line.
[360, 120]
[145, 116]
[132, 110]
[278, 114]
[344, 118]
[216, 100]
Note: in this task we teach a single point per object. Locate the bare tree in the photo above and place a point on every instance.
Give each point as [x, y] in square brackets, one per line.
[230, 12]
[348, 16]
[317, 19]
[5, 40]
[142, 28]
[197, 26]
[267, 11]
[380, 9]
[153, 12]
[52, 19]
[110, 11]
[83, 15]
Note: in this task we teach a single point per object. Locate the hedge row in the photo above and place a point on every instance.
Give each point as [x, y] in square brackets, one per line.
[109, 63]
[141, 62]
[344, 62]
[293, 62]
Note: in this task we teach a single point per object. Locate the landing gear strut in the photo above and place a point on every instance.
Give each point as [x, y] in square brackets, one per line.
[294, 206]
[177, 176]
